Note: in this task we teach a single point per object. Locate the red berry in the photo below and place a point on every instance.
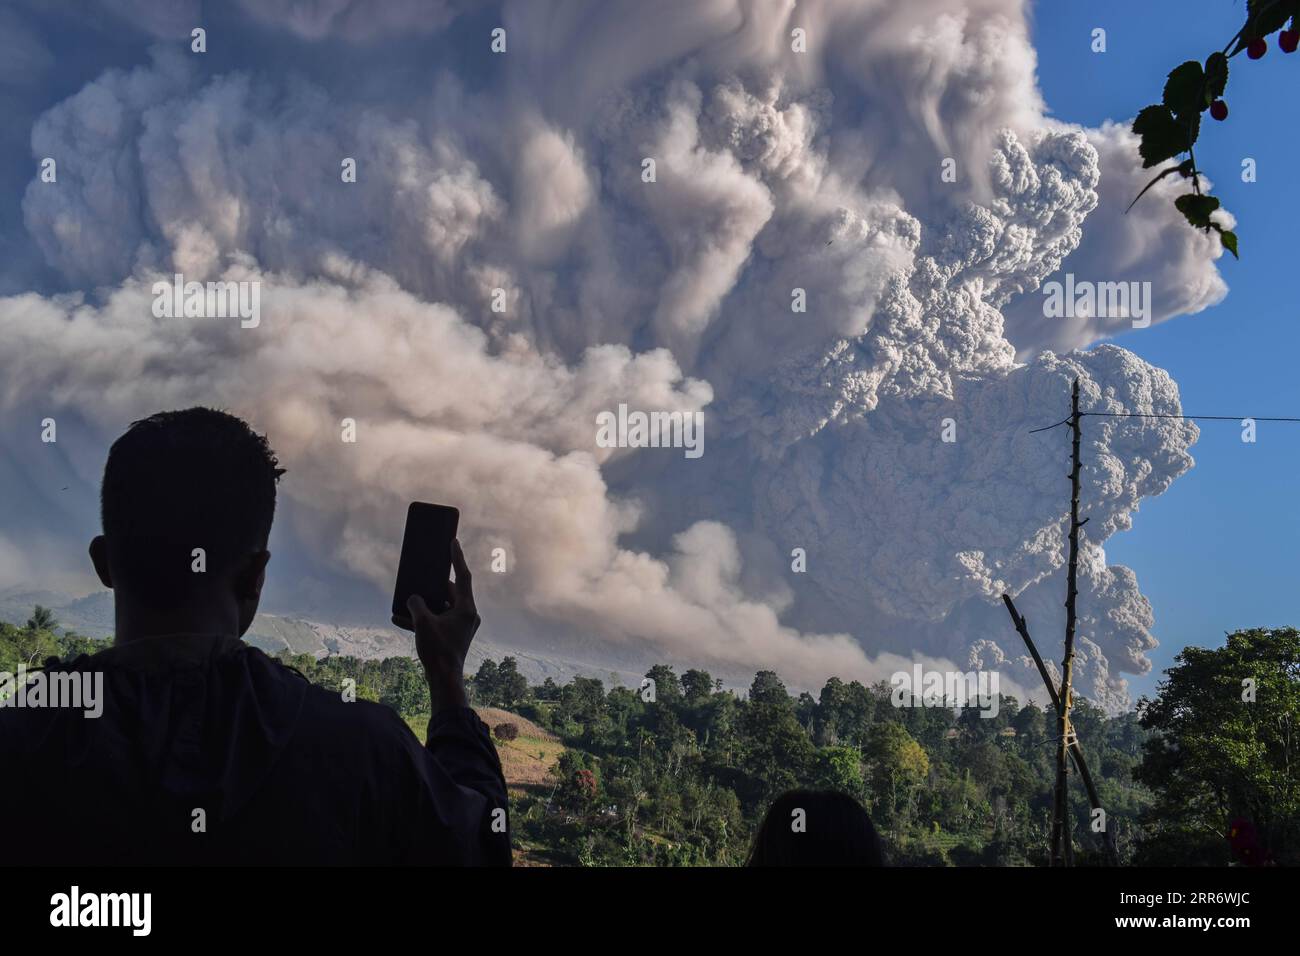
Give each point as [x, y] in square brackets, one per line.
[1219, 110]
[1257, 48]
[1288, 40]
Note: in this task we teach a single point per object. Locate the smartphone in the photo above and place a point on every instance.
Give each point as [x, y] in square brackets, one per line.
[425, 565]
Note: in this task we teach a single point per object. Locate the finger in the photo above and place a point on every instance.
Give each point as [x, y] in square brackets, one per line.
[464, 584]
[415, 604]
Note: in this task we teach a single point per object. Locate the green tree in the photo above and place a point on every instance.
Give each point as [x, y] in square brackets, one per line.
[668, 688]
[840, 768]
[697, 685]
[33, 643]
[898, 764]
[72, 644]
[1222, 753]
[767, 688]
[407, 693]
[485, 684]
[778, 754]
[583, 701]
[511, 686]
[42, 619]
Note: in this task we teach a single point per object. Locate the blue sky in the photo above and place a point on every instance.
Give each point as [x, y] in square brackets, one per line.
[1216, 552]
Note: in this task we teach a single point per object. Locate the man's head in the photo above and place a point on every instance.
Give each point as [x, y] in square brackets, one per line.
[187, 503]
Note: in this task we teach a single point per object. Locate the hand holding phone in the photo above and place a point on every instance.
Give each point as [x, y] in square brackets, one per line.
[443, 640]
[444, 629]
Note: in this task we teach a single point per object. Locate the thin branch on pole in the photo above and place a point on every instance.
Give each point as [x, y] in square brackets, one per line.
[1023, 628]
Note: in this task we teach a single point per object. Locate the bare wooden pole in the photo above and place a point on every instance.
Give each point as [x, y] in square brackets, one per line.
[1067, 845]
[1076, 750]
[1060, 834]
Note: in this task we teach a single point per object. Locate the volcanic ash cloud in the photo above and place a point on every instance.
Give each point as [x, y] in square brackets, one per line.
[521, 178]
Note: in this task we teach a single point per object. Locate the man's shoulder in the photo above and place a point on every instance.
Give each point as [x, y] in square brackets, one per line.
[338, 711]
[333, 706]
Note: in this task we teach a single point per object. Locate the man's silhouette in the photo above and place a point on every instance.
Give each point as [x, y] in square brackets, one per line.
[208, 751]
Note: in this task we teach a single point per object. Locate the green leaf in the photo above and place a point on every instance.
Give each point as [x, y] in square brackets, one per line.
[1262, 18]
[1229, 240]
[1216, 77]
[1267, 16]
[1184, 89]
[1196, 209]
[1163, 137]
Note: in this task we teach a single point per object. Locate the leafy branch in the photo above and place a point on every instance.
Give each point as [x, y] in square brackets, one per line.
[1171, 128]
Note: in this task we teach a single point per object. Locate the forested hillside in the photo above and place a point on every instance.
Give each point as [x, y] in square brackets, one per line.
[600, 776]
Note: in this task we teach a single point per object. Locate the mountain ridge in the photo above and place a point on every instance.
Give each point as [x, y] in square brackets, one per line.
[92, 616]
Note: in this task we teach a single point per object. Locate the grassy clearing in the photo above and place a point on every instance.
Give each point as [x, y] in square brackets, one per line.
[526, 760]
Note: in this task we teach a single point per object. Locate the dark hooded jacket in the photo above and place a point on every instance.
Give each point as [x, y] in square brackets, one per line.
[209, 752]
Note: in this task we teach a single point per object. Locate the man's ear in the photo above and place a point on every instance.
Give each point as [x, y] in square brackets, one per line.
[99, 558]
[251, 575]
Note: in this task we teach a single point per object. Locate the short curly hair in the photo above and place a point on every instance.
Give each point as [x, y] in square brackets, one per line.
[180, 480]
